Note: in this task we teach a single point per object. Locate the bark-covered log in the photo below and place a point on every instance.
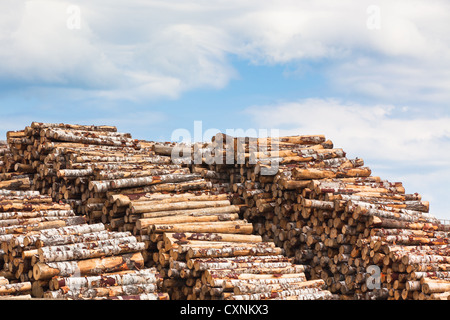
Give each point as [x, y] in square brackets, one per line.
[43, 225]
[147, 222]
[144, 276]
[178, 206]
[236, 227]
[130, 261]
[13, 288]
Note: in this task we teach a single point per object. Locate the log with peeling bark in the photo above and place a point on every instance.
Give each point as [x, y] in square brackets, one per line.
[144, 276]
[13, 288]
[78, 137]
[93, 266]
[233, 227]
[151, 207]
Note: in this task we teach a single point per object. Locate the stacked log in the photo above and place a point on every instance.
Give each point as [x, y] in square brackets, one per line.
[61, 159]
[328, 212]
[120, 196]
[63, 247]
[14, 291]
[158, 200]
[239, 218]
[15, 174]
[179, 212]
[207, 251]
[46, 250]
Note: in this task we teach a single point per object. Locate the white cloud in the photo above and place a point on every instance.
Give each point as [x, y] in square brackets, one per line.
[161, 59]
[140, 49]
[416, 150]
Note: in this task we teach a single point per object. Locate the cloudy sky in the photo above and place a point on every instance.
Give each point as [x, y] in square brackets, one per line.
[373, 76]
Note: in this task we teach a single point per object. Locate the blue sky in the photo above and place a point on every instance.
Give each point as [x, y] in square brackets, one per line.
[373, 76]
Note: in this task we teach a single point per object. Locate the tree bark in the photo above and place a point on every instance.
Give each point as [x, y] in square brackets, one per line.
[122, 278]
[236, 227]
[13, 288]
[96, 266]
[193, 212]
[178, 206]
[147, 222]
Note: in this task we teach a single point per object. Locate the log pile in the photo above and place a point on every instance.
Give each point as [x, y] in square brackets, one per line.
[177, 215]
[200, 246]
[52, 249]
[209, 253]
[357, 232]
[204, 249]
[62, 159]
[238, 218]
[47, 251]
[15, 175]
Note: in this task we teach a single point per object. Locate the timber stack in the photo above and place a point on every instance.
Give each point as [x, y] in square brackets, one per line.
[198, 243]
[173, 212]
[202, 246]
[47, 251]
[238, 218]
[207, 252]
[364, 236]
[182, 215]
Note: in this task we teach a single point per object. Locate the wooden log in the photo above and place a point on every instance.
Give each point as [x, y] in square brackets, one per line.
[375, 221]
[114, 291]
[79, 238]
[94, 266]
[300, 294]
[236, 227]
[14, 288]
[86, 251]
[243, 250]
[150, 180]
[182, 238]
[178, 206]
[125, 199]
[43, 225]
[21, 183]
[170, 198]
[435, 287]
[34, 214]
[102, 128]
[103, 140]
[314, 173]
[192, 212]
[246, 288]
[148, 222]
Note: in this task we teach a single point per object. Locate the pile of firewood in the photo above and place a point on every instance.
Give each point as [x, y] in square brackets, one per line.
[207, 252]
[177, 216]
[47, 251]
[360, 234]
[61, 159]
[186, 220]
[237, 218]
